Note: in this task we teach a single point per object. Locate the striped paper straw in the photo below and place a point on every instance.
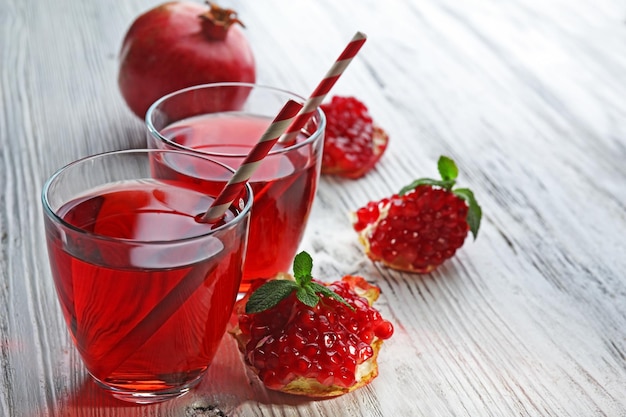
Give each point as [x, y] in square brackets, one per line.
[322, 89]
[252, 161]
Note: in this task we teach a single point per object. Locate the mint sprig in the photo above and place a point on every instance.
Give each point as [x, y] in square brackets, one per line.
[307, 291]
[449, 171]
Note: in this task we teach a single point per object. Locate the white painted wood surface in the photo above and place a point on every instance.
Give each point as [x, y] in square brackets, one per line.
[529, 97]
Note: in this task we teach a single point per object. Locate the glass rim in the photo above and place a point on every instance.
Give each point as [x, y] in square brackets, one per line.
[155, 133]
[50, 213]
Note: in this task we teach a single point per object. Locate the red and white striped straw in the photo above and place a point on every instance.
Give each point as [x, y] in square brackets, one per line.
[252, 161]
[322, 89]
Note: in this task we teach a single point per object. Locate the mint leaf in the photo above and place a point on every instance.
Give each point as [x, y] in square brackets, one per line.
[324, 290]
[474, 212]
[302, 268]
[447, 168]
[269, 294]
[307, 296]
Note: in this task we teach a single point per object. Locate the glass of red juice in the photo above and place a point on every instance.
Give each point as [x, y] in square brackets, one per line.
[224, 121]
[146, 288]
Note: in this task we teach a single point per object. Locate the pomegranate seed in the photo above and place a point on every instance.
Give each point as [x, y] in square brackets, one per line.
[302, 365]
[345, 377]
[384, 330]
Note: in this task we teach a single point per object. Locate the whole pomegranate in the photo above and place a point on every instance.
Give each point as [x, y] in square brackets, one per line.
[180, 44]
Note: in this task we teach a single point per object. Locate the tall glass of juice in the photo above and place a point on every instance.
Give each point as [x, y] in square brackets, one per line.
[224, 121]
[145, 287]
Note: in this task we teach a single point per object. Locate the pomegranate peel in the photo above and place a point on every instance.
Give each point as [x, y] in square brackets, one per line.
[363, 288]
[321, 348]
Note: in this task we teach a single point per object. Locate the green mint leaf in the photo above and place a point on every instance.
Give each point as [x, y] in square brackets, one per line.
[269, 294]
[324, 290]
[426, 181]
[302, 267]
[447, 168]
[307, 296]
[474, 213]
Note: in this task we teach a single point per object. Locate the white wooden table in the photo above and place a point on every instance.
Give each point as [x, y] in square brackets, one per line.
[529, 97]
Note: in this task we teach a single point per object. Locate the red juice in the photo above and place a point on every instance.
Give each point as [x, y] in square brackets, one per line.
[284, 185]
[144, 313]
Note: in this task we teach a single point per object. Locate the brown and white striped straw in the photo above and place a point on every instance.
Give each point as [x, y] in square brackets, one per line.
[252, 161]
[317, 97]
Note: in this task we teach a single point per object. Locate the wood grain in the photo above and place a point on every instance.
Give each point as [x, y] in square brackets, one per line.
[527, 96]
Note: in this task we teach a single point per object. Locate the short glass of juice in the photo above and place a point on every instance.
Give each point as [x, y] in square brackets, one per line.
[224, 121]
[145, 288]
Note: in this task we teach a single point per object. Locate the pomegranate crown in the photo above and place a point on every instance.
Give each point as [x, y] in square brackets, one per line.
[307, 290]
[217, 20]
[449, 171]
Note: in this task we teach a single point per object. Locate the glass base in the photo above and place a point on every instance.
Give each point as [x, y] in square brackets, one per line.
[148, 397]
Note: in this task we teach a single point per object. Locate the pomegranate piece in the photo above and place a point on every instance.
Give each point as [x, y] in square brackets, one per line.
[180, 44]
[353, 144]
[306, 338]
[424, 224]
